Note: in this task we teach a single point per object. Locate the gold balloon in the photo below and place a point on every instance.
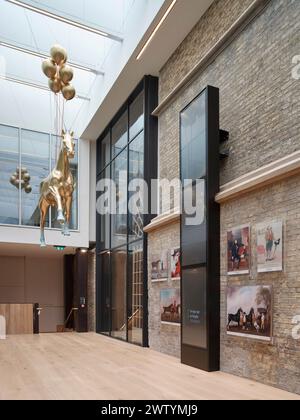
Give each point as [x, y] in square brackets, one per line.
[26, 177]
[13, 180]
[28, 189]
[59, 54]
[66, 74]
[55, 85]
[49, 68]
[68, 92]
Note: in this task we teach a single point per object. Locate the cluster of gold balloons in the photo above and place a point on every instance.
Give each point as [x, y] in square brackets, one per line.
[59, 73]
[25, 180]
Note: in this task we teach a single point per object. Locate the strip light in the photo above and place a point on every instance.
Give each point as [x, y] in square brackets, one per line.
[156, 29]
[65, 20]
[41, 55]
[35, 85]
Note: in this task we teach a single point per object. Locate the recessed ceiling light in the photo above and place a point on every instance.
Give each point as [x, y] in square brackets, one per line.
[156, 29]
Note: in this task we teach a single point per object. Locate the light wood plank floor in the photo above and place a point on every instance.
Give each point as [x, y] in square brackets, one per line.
[89, 366]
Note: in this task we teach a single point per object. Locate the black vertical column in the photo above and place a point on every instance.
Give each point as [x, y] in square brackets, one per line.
[200, 238]
[150, 173]
[69, 288]
[80, 291]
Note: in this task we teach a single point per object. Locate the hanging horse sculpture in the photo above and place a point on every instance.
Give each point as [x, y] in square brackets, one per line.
[57, 189]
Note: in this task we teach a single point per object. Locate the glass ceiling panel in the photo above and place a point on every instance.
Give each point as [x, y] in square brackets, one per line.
[38, 32]
[107, 15]
[33, 108]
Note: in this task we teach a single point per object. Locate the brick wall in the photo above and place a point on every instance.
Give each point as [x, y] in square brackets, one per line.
[162, 337]
[260, 107]
[277, 364]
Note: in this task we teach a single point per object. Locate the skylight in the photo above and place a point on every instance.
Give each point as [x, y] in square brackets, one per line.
[26, 37]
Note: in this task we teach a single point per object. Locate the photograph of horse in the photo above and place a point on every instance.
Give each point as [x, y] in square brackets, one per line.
[170, 306]
[249, 311]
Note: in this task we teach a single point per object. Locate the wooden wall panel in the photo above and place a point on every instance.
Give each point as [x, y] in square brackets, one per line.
[19, 318]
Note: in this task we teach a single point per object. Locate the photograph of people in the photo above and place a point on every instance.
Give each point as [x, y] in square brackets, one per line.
[269, 247]
[238, 250]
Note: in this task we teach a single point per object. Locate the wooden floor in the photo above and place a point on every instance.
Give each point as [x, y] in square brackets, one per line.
[89, 366]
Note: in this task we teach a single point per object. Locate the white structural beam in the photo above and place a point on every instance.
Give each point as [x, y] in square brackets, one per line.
[45, 56]
[68, 21]
[34, 85]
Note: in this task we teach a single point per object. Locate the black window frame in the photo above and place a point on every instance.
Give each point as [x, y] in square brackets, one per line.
[148, 85]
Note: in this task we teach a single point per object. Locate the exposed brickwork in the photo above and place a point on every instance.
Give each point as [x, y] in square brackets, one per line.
[277, 364]
[164, 338]
[260, 104]
[217, 20]
[260, 107]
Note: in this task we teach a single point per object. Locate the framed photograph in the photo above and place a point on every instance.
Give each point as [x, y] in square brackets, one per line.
[238, 251]
[170, 306]
[250, 311]
[159, 267]
[175, 266]
[269, 245]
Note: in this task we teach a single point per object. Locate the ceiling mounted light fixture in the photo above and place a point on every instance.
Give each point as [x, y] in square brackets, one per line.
[156, 29]
[34, 85]
[65, 20]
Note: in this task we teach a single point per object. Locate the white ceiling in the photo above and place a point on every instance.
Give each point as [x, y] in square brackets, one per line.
[21, 250]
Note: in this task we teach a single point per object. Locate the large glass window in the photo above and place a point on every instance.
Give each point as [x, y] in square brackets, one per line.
[35, 162]
[135, 292]
[104, 219]
[26, 159]
[9, 175]
[121, 235]
[118, 292]
[119, 134]
[119, 220]
[193, 140]
[105, 151]
[136, 116]
[136, 172]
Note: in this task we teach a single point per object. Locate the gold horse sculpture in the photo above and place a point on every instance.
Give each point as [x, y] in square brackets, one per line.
[57, 189]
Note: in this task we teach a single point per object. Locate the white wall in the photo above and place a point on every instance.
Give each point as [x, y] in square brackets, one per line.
[27, 235]
[35, 280]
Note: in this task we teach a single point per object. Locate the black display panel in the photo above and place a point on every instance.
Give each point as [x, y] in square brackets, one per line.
[200, 231]
[194, 323]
